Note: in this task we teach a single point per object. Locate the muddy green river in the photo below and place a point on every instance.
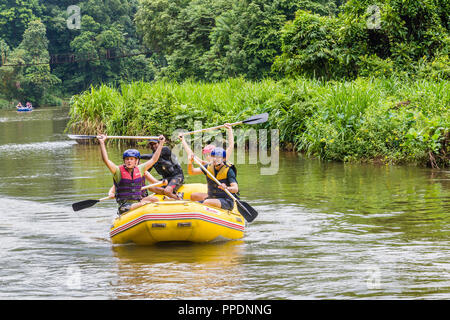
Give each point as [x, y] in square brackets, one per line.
[324, 231]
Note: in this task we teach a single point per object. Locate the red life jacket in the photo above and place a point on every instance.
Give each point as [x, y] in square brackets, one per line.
[129, 186]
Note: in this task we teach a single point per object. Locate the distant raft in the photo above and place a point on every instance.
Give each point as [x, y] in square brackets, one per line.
[24, 109]
[185, 220]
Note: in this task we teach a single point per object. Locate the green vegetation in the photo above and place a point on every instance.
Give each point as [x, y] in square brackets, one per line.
[343, 80]
[410, 38]
[213, 40]
[388, 120]
[106, 28]
[27, 80]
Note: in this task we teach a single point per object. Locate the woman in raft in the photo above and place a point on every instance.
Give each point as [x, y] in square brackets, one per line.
[206, 151]
[225, 172]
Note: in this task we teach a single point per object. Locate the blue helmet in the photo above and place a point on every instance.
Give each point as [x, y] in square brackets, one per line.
[219, 152]
[131, 153]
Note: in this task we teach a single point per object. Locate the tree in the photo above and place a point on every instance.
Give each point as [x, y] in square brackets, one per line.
[33, 50]
[14, 18]
[406, 36]
[216, 39]
[156, 20]
[244, 41]
[309, 46]
[10, 74]
[178, 32]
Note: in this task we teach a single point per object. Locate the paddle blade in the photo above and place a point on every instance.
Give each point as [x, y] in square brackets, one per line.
[259, 118]
[84, 204]
[247, 211]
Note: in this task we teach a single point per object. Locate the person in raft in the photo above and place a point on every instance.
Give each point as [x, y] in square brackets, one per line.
[225, 173]
[148, 177]
[19, 105]
[129, 177]
[169, 168]
[206, 151]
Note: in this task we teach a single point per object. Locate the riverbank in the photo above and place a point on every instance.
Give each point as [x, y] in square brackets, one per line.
[389, 120]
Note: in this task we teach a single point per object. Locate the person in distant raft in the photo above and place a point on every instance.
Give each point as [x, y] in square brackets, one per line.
[168, 167]
[129, 177]
[224, 172]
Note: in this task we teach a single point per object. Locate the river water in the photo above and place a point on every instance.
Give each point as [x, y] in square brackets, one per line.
[324, 231]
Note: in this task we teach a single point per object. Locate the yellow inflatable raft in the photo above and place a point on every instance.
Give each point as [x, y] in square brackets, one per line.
[185, 220]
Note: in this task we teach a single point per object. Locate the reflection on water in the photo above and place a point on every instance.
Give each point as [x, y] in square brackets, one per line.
[324, 230]
[180, 271]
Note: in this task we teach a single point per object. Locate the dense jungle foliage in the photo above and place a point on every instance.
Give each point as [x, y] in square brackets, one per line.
[343, 80]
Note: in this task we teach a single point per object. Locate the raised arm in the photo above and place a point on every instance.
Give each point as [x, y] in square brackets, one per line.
[230, 147]
[188, 150]
[157, 153]
[111, 166]
[185, 145]
[191, 170]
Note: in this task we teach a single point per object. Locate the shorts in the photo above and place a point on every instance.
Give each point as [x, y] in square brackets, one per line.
[175, 182]
[225, 203]
[124, 207]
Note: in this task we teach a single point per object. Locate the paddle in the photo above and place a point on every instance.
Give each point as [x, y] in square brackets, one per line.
[244, 208]
[156, 184]
[77, 206]
[259, 118]
[82, 136]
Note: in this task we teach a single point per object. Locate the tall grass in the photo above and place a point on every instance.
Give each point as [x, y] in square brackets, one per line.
[390, 120]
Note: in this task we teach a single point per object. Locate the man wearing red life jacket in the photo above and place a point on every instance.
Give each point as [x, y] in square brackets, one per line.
[129, 178]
